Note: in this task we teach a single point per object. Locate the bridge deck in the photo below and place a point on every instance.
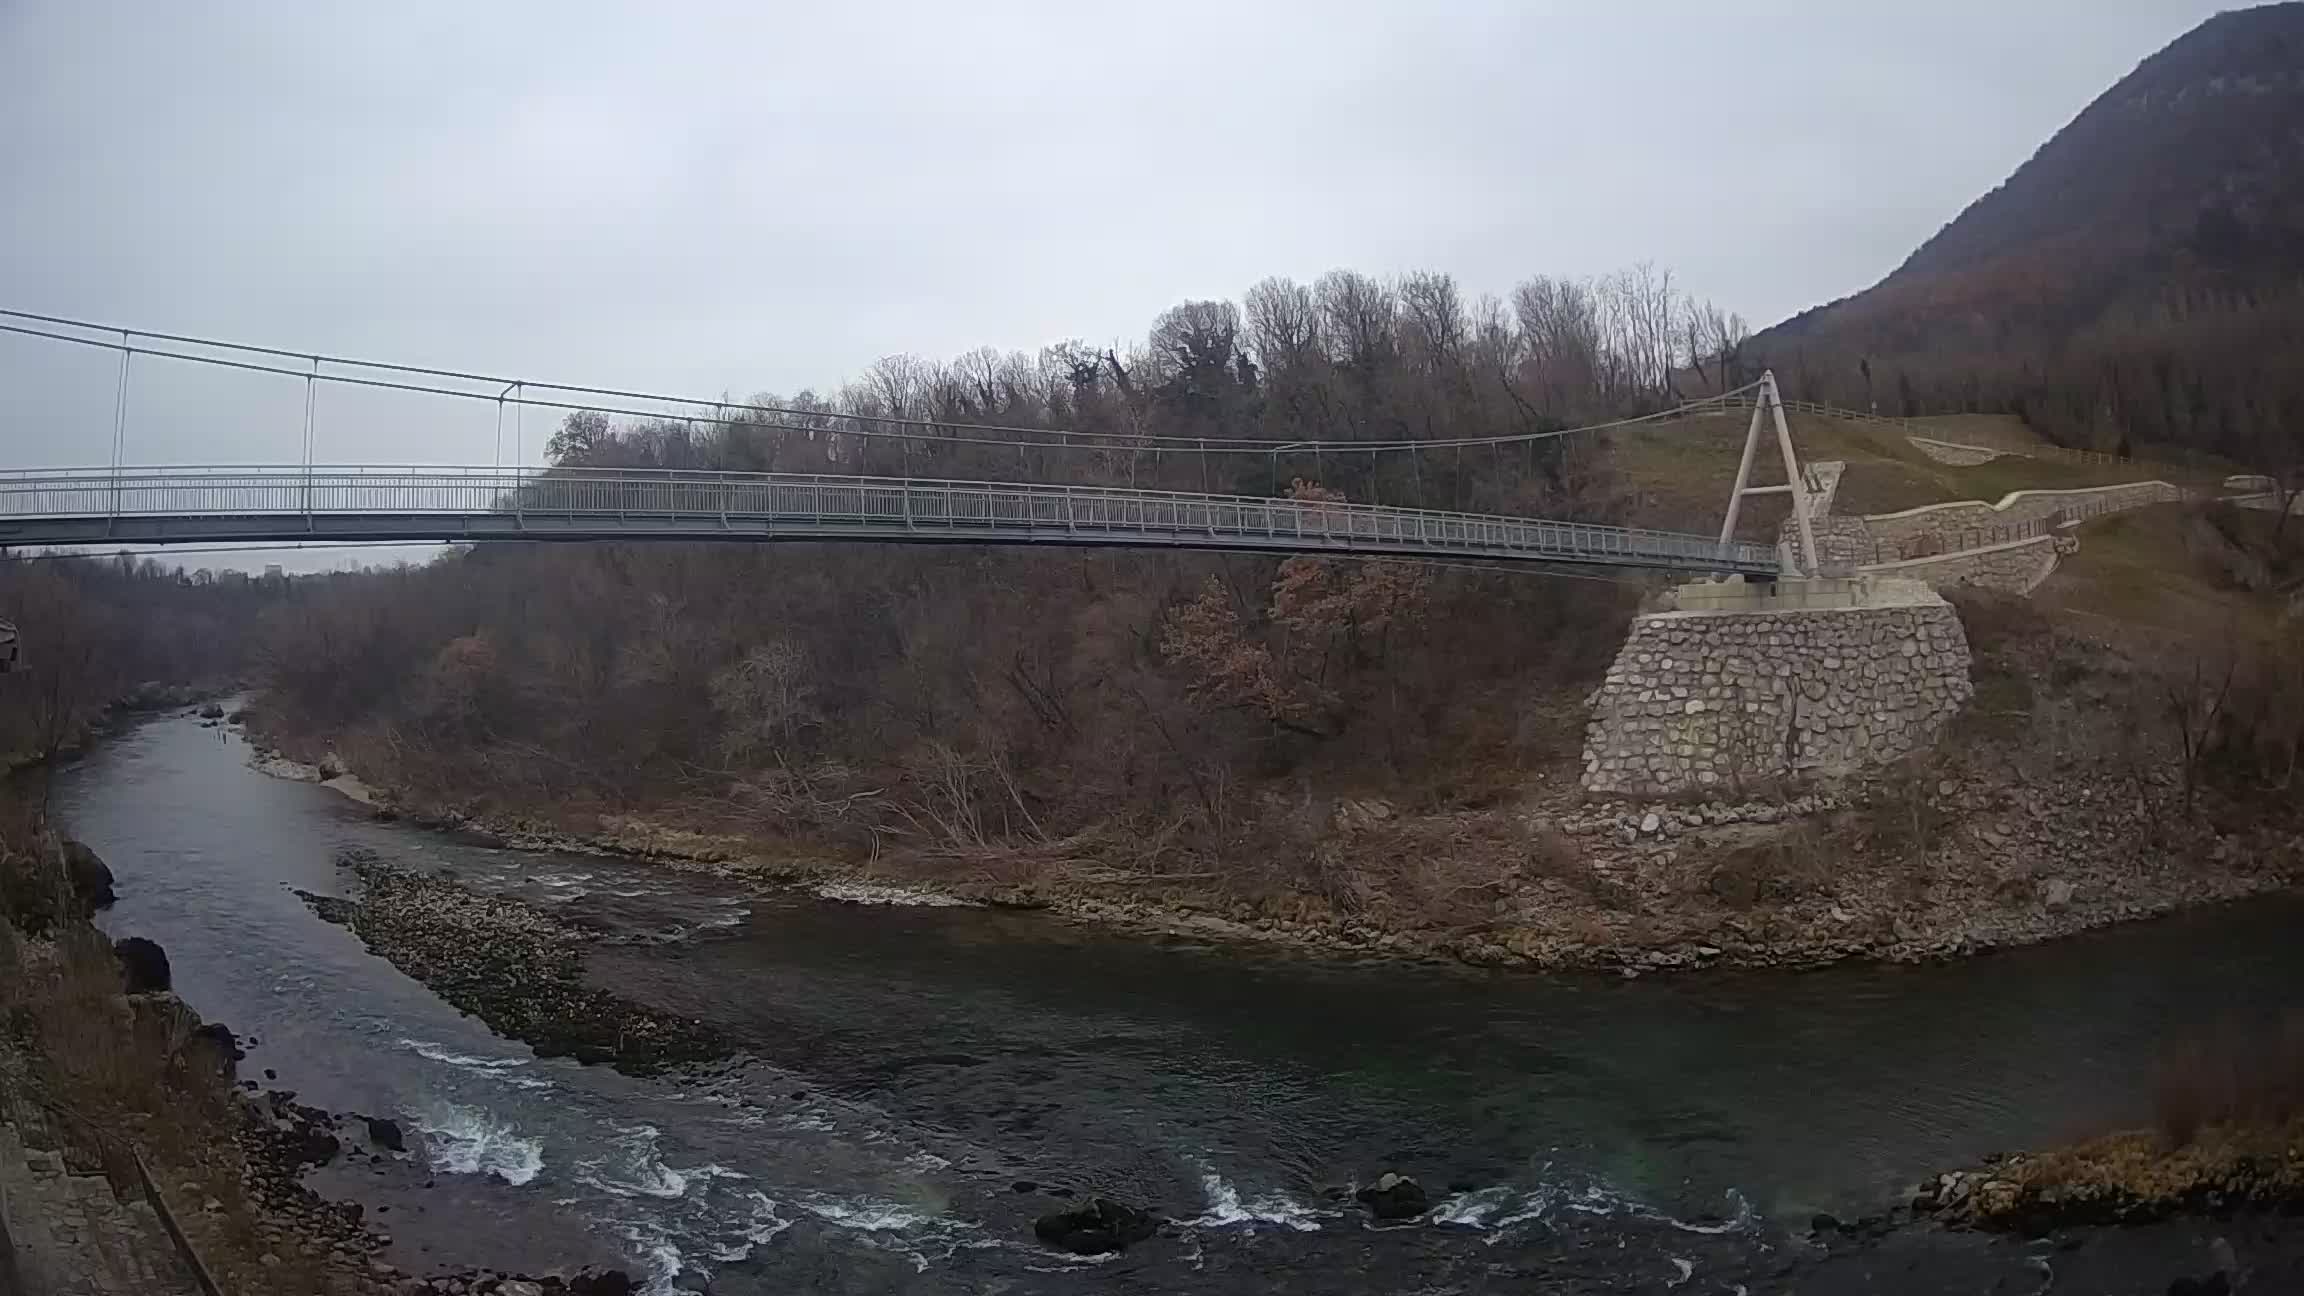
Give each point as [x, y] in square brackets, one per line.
[178, 505]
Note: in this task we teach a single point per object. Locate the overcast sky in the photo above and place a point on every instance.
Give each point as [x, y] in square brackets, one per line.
[763, 197]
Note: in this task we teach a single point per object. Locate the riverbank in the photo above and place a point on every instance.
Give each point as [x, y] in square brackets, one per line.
[108, 1077]
[2126, 1178]
[1912, 866]
[903, 1068]
[2060, 801]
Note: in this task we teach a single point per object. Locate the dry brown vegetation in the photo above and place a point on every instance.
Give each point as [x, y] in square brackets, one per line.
[2244, 1073]
[94, 631]
[1168, 713]
[1328, 740]
[2229, 1109]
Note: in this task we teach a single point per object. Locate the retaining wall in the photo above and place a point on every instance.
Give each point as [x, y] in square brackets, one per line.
[1698, 700]
[2016, 567]
[1945, 523]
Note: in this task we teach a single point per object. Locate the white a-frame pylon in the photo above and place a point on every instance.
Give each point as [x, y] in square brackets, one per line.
[1768, 404]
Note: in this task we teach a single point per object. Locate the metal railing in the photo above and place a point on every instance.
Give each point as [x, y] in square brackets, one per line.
[366, 502]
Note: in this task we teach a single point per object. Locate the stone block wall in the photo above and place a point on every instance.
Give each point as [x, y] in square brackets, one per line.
[1846, 541]
[1699, 701]
[2016, 567]
[1950, 525]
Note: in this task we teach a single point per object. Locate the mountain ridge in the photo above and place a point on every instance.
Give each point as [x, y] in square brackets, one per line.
[2107, 286]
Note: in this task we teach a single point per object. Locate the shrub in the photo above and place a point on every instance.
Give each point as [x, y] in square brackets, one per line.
[2241, 1073]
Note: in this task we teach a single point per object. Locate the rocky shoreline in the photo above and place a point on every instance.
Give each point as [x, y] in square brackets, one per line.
[283, 1140]
[517, 969]
[238, 1191]
[2126, 1178]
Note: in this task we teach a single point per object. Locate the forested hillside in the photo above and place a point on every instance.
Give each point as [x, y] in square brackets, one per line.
[96, 632]
[880, 696]
[2139, 282]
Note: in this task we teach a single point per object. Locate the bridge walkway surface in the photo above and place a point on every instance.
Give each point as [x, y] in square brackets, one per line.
[395, 503]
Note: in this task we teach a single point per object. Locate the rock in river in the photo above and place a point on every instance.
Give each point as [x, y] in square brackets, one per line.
[91, 880]
[1104, 1225]
[386, 1134]
[1394, 1197]
[143, 965]
[601, 1282]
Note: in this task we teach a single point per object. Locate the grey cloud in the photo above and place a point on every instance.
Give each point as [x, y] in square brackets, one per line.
[742, 197]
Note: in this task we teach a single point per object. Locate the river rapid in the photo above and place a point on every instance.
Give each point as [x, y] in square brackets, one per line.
[916, 1083]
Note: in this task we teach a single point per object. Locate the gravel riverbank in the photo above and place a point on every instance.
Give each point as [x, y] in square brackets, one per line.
[518, 969]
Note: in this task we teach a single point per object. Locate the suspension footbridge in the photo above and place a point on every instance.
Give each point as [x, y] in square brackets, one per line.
[125, 504]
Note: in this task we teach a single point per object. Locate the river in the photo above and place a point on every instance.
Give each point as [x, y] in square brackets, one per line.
[906, 1070]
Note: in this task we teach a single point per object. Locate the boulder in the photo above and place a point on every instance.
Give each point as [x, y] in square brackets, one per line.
[1102, 1226]
[143, 965]
[91, 880]
[386, 1134]
[219, 1037]
[1394, 1197]
[311, 1145]
[601, 1282]
[212, 711]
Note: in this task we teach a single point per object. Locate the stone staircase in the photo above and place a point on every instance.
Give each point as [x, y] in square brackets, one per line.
[72, 1235]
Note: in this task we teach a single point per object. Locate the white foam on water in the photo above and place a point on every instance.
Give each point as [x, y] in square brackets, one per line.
[637, 1169]
[1478, 1209]
[467, 1140]
[1226, 1208]
[663, 1260]
[1071, 1263]
[502, 1070]
[1687, 1270]
[926, 1163]
[869, 893]
[867, 1215]
[1494, 1210]
[762, 1229]
[1536, 1206]
[915, 1234]
[439, 1053]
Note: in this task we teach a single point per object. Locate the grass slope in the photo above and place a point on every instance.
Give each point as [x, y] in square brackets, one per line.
[1678, 474]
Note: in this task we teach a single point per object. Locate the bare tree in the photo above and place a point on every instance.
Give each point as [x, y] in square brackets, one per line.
[1357, 315]
[1561, 331]
[764, 699]
[1283, 323]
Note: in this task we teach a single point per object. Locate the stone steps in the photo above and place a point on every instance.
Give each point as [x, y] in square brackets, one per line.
[73, 1235]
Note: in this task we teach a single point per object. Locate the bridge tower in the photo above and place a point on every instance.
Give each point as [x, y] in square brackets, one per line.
[1768, 404]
